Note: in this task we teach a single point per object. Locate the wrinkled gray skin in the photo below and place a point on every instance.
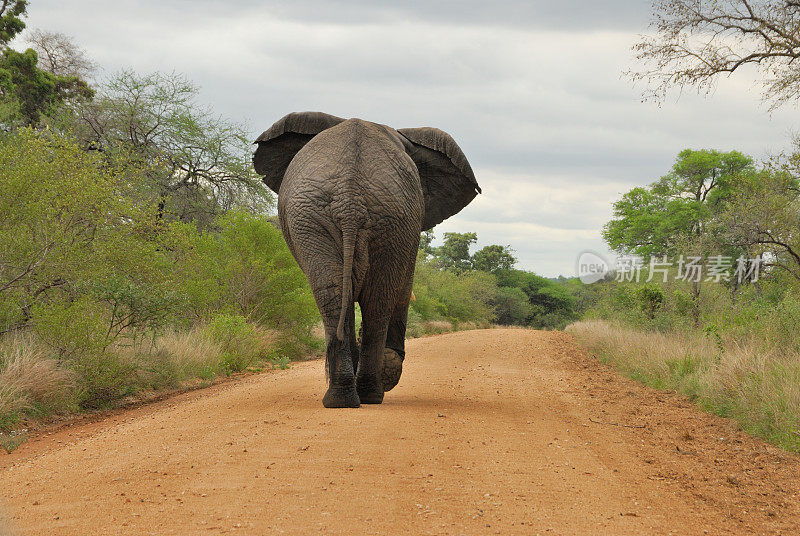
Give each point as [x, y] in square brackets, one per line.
[353, 197]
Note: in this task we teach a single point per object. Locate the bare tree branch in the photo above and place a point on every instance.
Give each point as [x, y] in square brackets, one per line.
[59, 55]
[697, 41]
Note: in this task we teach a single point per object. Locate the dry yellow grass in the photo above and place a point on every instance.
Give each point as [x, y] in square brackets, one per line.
[752, 381]
[32, 383]
[436, 327]
[190, 351]
[633, 350]
[29, 379]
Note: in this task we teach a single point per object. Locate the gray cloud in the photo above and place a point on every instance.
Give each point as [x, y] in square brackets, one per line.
[530, 90]
[565, 15]
[570, 15]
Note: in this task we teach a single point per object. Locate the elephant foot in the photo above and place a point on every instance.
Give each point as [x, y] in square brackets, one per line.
[341, 397]
[369, 392]
[392, 369]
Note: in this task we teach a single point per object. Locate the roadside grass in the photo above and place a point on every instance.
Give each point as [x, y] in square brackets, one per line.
[36, 383]
[753, 381]
[30, 382]
[438, 327]
[419, 327]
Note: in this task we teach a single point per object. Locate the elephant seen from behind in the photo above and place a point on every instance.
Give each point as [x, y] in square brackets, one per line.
[353, 198]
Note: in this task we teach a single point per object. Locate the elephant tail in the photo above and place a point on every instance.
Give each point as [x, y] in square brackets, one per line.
[348, 252]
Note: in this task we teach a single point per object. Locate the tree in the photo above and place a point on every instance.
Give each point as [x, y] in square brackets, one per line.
[656, 220]
[697, 41]
[680, 213]
[512, 306]
[26, 91]
[762, 217]
[200, 164]
[493, 258]
[425, 240]
[11, 23]
[59, 55]
[454, 253]
[552, 304]
[36, 92]
[72, 246]
[459, 297]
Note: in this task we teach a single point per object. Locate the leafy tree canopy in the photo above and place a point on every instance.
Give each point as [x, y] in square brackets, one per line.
[11, 23]
[762, 216]
[28, 92]
[655, 219]
[454, 253]
[36, 92]
[493, 258]
[200, 164]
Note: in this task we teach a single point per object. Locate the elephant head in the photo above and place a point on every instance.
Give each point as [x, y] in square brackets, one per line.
[447, 180]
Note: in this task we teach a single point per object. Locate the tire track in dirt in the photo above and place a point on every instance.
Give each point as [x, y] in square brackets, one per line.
[502, 431]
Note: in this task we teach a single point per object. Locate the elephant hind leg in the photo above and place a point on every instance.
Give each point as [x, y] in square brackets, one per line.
[341, 392]
[375, 301]
[395, 351]
[341, 355]
[392, 368]
[384, 303]
[370, 366]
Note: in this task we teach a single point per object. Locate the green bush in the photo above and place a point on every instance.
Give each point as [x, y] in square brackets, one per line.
[414, 325]
[158, 370]
[91, 268]
[650, 298]
[238, 341]
[442, 294]
[245, 267]
[512, 306]
[72, 329]
[552, 303]
[103, 378]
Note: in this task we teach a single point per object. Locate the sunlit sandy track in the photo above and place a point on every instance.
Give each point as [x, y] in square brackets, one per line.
[489, 432]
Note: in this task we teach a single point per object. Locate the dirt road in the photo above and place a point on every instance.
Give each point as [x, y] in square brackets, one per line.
[489, 432]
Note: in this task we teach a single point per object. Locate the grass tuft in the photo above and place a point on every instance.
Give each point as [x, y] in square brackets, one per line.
[30, 382]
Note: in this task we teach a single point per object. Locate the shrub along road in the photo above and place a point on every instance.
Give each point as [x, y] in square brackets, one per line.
[489, 432]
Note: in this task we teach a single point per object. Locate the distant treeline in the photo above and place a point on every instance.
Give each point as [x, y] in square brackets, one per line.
[453, 285]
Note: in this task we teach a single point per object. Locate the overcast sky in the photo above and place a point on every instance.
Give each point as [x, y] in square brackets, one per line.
[531, 89]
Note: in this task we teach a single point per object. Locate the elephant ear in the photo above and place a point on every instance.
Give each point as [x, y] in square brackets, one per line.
[278, 145]
[448, 183]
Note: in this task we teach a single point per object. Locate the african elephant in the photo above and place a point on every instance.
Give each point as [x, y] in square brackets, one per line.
[353, 197]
